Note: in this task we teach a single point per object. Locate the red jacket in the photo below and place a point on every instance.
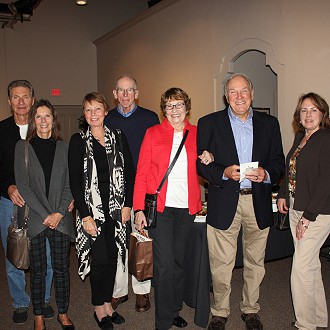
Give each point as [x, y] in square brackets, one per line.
[154, 159]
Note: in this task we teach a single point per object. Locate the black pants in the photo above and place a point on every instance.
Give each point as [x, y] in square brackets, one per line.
[169, 246]
[103, 264]
[59, 251]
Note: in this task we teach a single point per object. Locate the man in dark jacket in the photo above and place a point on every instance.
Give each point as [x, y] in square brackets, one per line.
[238, 136]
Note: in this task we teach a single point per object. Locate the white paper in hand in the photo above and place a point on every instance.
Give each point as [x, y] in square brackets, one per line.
[246, 168]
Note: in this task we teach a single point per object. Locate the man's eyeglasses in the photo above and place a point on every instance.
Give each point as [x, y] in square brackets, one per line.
[178, 106]
[126, 90]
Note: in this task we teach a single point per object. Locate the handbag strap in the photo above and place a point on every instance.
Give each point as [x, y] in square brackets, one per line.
[26, 160]
[173, 162]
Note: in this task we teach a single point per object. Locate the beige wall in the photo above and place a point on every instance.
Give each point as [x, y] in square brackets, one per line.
[191, 44]
[55, 49]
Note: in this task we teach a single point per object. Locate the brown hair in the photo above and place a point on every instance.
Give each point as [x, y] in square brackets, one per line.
[88, 98]
[32, 130]
[20, 83]
[319, 102]
[175, 93]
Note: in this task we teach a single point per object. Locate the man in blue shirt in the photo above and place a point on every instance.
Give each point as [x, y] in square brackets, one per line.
[133, 121]
[236, 136]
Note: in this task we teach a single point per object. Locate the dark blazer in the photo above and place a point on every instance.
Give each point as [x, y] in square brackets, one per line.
[312, 194]
[215, 135]
[34, 191]
[9, 135]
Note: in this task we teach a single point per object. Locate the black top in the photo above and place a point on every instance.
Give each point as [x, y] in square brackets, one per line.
[45, 151]
[9, 135]
[76, 163]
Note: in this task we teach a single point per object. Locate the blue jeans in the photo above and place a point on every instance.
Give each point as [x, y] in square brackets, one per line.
[15, 276]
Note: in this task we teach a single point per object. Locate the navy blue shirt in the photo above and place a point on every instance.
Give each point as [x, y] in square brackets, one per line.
[133, 126]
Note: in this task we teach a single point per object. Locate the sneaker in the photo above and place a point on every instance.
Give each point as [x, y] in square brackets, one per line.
[20, 315]
[48, 311]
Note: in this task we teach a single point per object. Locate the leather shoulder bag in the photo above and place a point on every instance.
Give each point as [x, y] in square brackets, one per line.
[18, 243]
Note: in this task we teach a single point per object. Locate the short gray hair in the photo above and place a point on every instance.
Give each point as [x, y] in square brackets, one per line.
[234, 75]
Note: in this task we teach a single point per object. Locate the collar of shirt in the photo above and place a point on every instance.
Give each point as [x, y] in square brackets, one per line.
[119, 109]
[243, 135]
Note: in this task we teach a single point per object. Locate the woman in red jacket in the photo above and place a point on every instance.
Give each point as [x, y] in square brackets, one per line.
[177, 203]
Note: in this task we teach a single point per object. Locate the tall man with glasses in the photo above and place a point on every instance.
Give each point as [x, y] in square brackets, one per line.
[133, 121]
[12, 129]
[236, 136]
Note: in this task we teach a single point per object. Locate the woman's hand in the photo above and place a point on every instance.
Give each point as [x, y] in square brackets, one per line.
[206, 157]
[53, 220]
[125, 214]
[281, 205]
[89, 225]
[140, 220]
[301, 228]
[71, 206]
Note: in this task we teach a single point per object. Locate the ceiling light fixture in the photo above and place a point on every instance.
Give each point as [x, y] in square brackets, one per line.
[81, 2]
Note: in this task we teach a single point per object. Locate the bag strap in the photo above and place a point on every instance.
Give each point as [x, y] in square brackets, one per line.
[26, 160]
[173, 162]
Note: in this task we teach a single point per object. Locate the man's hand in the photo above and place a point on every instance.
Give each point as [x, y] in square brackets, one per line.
[257, 175]
[15, 196]
[232, 172]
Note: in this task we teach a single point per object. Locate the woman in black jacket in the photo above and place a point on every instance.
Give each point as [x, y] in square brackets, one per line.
[101, 179]
[305, 194]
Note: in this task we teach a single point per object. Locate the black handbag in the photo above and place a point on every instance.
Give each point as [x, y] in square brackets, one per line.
[282, 221]
[18, 243]
[150, 202]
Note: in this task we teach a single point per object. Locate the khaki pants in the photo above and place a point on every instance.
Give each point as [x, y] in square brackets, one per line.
[121, 282]
[307, 288]
[222, 250]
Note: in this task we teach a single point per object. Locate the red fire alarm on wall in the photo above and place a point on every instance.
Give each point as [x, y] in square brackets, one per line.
[55, 92]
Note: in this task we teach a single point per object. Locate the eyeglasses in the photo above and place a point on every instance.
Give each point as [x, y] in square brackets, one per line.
[126, 90]
[178, 106]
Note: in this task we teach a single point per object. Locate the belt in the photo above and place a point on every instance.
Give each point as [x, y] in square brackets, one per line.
[245, 191]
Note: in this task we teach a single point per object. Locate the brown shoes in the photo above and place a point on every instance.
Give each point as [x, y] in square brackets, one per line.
[142, 302]
[115, 302]
[217, 323]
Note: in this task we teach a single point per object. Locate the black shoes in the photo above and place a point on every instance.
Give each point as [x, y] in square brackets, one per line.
[116, 318]
[179, 322]
[20, 315]
[48, 312]
[105, 323]
[217, 323]
[252, 321]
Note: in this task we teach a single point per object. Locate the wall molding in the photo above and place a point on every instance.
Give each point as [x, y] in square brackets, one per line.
[227, 66]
